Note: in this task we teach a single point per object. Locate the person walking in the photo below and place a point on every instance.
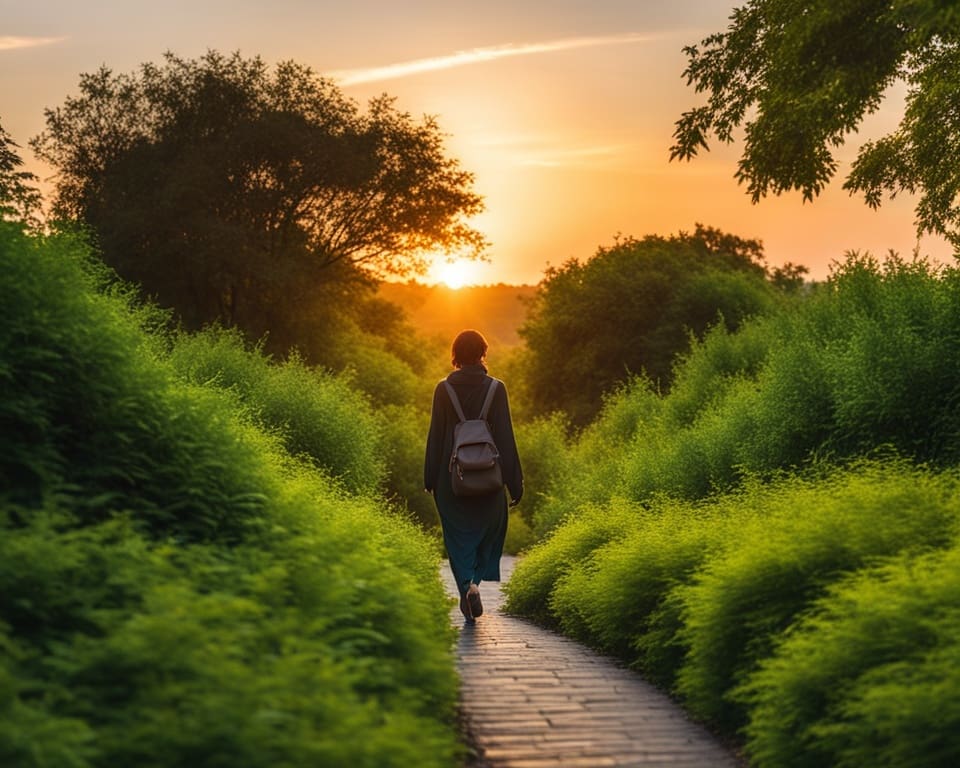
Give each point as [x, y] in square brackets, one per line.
[474, 527]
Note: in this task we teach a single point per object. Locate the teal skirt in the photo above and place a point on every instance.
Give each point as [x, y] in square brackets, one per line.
[474, 530]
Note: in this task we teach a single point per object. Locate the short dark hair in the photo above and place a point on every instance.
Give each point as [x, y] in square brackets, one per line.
[468, 348]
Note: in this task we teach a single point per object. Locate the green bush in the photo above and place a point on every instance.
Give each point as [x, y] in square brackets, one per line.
[316, 415]
[807, 537]
[544, 456]
[277, 651]
[90, 413]
[404, 429]
[376, 366]
[176, 588]
[870, 677]
[620, 598]
[533, 579]
[870, 358]
[593, 461]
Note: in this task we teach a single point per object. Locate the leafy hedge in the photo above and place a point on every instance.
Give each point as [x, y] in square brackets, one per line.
[175, 587]
[871, 676]
[871, 358]
[316, 415]
[712, 536]
[713, 600]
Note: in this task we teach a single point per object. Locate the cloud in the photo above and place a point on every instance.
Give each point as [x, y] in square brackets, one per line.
[554, 151]
[348, 77]
[584, 156]
[9, 43]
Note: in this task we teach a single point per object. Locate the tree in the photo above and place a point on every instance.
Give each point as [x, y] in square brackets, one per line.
[20, 200]
[799, 77]
[252, 197]
[630, 310]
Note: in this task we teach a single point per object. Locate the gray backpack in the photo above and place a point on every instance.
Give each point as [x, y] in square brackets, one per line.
[475, 461]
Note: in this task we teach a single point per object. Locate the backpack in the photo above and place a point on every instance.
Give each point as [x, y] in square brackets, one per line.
[475, 461]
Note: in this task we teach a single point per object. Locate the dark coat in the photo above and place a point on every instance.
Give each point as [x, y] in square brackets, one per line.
[474, 528]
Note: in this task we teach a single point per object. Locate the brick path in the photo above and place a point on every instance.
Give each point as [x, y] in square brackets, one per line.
[533, 699]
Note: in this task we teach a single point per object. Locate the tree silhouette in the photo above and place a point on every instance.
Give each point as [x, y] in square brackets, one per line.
[250, 196]
[800, 77]
[20, 200]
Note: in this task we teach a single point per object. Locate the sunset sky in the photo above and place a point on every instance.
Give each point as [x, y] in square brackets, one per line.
[562, 109]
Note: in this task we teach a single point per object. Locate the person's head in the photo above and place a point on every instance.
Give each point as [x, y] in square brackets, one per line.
[469, 348]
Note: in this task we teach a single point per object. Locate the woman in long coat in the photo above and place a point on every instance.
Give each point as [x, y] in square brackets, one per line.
[474, 527]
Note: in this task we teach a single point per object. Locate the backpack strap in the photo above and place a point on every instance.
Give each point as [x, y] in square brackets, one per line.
[455, 400]
[489, 399]
[486, 402]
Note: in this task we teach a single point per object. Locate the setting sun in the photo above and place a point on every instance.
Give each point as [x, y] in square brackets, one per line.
[455, 274]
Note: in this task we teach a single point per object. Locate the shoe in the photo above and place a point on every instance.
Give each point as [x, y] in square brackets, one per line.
[465, 610]
[473, 601]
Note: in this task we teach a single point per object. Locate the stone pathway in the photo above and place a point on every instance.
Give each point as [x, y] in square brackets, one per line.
[532, 699]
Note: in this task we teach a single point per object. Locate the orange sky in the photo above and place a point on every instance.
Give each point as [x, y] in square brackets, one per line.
[563, 110]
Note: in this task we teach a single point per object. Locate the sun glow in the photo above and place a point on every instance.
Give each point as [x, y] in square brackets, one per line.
[455, 274]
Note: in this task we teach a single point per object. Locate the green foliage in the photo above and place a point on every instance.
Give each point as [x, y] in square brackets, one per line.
[544, 451]
[533, 578]
[316, 415]
[800, 82]
[805, 538]
[733, 603]
[868, 359]
[260, 198]
[630, 310]
[520, 536]
[597, 454]
[177, 588]
[404, 429]
[279, 650]
[621, 598]
[374, 368]
[869, 677]
[90, 414]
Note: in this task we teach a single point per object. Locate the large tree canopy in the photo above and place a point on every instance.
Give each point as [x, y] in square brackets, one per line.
[234, 192]
[630, 310]
[800, 75]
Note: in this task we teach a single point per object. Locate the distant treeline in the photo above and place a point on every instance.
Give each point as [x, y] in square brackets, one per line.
[497, 311]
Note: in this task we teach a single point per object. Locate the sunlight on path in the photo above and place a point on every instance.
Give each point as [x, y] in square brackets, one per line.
[533, 699]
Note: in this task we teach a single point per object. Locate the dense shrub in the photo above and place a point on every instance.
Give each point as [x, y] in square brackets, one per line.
[175, 587]
[544, 455]
[89, 413]
[529, 588]
[594, 459]
[620, 598]
[698, 595]
[404, 429]
[316, 415]
[870, 677]
[803, 538]
[870, 358]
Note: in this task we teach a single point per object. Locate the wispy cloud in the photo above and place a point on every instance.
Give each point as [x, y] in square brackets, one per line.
[9, 43]
[582, 156]
[348, 77]
[554, 151]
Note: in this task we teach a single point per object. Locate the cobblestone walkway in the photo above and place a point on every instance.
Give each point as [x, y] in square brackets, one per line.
[533, 699]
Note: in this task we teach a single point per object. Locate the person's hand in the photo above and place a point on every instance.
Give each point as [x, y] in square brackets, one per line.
[514, 502]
